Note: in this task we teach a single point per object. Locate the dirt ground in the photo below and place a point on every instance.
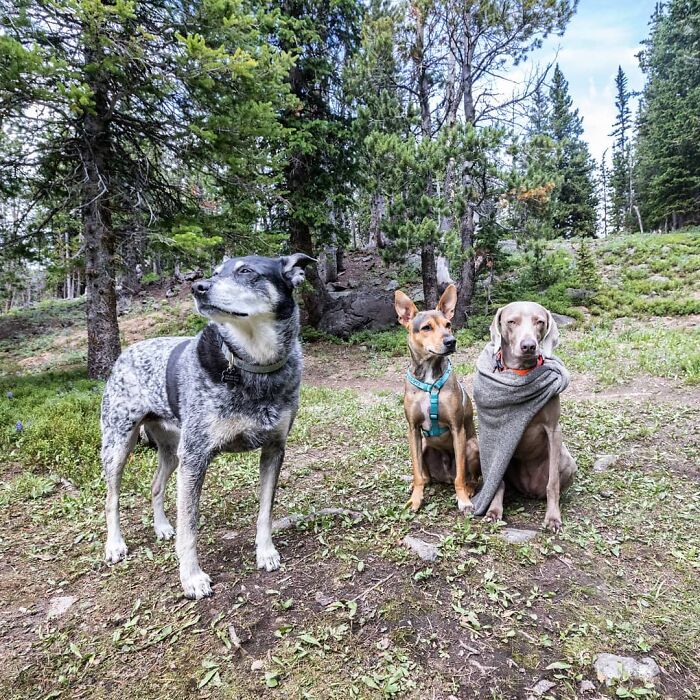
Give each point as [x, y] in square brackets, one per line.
[353, 613]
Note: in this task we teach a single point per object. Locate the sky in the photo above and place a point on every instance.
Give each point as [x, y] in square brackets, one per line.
[602, 35]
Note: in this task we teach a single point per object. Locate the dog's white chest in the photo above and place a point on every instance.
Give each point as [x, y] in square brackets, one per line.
[242, 433]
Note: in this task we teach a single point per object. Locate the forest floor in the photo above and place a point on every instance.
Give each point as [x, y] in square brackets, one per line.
[353, 613]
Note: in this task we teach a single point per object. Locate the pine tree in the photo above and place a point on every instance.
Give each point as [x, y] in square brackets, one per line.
[118, 105]
[574, 199]
[667, 169]
[621, 175]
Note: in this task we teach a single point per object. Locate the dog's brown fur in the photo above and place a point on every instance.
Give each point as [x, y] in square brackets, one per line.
[541, 466]
[452, 457]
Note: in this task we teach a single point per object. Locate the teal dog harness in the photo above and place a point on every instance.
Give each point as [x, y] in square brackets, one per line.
[434, 391]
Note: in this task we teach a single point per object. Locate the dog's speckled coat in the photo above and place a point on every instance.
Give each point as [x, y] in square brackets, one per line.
[253, 314]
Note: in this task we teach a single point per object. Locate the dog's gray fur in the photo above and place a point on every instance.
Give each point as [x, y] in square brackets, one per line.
[251, 309]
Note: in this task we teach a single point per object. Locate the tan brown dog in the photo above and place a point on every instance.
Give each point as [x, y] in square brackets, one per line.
[541, 466]
[443, 447]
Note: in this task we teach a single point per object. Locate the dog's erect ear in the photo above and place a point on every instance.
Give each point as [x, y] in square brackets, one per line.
[405, 308]
[551, 337]
[293, 267]
[496, 331]
[448, 301]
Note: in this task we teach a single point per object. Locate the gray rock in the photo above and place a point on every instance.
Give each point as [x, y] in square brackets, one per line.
[425, 550]
[541, 687]
[358, 310]
[580, 294]
[610, 667]
[60, 605]
[604, 462]
[508, 245]
[417, 294]
[658, 278]
[391, 285]
[323, 599]
[516, 536]
[586, 687]
[562, 320]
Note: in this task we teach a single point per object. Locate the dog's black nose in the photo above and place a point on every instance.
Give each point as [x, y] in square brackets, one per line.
[201, 287]
[528, 346]
[450, 342]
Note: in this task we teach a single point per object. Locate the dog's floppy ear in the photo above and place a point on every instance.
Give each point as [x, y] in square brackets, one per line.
[551, 337]
[496, 331]
[405, 308]
[293, 267]
[448, 301]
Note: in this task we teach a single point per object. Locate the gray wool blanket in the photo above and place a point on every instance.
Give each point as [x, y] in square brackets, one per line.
[506, 402]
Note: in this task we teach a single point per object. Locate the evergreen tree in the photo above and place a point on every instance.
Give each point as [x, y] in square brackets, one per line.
[667, 170]
[574, 200]
[621, 175]
[118, 105]
[319, 170]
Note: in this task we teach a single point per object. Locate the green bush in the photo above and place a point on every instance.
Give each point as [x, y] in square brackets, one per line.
[52, 421]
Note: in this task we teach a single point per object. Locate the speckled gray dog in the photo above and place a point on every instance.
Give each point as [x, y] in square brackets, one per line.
[232, 388]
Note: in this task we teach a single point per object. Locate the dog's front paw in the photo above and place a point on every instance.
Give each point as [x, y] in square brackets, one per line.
[416, 500]
[268, 558]
[164, 530]
[552, 522]
[465, 505]
[197, 585]
[115, 551]
[493, 516]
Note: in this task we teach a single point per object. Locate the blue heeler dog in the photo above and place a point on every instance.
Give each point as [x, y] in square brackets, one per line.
[232, 388]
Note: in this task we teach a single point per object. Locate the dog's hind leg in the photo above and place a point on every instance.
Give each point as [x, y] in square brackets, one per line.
[166, 440]
[270, 464]
[117, 443]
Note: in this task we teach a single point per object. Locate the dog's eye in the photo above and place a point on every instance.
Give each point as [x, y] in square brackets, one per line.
[511, 322]
[244, 271]
[427, 328]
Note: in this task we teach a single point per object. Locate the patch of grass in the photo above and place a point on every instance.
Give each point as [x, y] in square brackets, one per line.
[616, 357]
[650, 275]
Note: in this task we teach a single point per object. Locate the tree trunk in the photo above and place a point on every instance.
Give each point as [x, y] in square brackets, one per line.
[101, 306]
[429, 273]
[467, 273]
[376, 214]
[132, 250]
[315, 299]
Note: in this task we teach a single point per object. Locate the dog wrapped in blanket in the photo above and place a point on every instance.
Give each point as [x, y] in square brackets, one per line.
[516, 391]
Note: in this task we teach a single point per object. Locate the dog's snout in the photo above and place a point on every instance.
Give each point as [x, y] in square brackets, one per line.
[528, 346]
[201, 287]
[450, 342]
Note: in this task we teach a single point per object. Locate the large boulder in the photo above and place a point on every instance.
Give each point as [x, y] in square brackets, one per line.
[354, 311]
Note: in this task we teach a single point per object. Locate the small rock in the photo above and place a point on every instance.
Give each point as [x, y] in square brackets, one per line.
[352, 283]
[508, 245]
[425, 550]
[604, 462]
[586, 687]
[541, 687]
[257, 665]
[391, 285]
[323, 599]
[59, 605]
[562, 320]
[611, 667]
[170, 293]
[516, 536]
